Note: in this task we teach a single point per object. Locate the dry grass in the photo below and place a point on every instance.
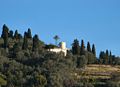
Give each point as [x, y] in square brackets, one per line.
[97, 72]
[106, 69]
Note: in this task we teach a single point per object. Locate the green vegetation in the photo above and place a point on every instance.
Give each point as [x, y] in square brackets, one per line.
[3, 82]
[75, 47]
[26, 61]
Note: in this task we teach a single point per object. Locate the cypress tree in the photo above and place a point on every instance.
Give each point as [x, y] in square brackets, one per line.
[29, 35]
[16, 34]
[88, 47]
[25, 43]
[19, 36]
[82, 48]
[94, 50]
[102, 57]
[110, 58]
[106, 57]
[5, 35]
[11, 34]
[16, 48]
[35, 43]
[76, 47]
[3, 31]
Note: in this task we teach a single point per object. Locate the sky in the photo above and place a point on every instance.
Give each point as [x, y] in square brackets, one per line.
[96, 21]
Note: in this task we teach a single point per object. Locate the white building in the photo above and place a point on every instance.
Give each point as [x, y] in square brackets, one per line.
[62, 48]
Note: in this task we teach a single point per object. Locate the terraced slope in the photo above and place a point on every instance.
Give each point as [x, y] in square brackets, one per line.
[98, 75]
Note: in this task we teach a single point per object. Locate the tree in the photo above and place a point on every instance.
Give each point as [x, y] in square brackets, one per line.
[102, 57]
[56, 38]
[75, 47]
[29, 35]
[11, 34]
[82, 48]
[35, 43]
[16, 34]
[88, 47]
[110, 58]
[16, 48]
[94, 50]
[81, 62]
[25, 43]
[106, 57]
[19, 36]
[5, 35]
[90, 57]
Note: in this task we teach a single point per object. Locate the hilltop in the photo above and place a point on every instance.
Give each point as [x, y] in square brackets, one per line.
[26, 61]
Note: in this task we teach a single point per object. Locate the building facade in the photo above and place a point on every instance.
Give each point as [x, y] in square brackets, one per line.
[62, 48]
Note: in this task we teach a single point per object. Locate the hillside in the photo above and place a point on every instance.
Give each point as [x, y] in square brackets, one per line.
[99, 74]
[26, 61]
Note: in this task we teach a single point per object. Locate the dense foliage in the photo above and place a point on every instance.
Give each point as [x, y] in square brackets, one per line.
[26, 62]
